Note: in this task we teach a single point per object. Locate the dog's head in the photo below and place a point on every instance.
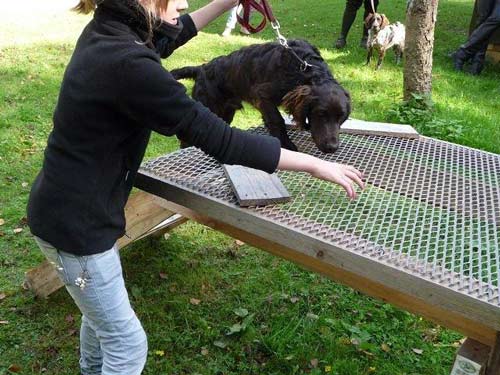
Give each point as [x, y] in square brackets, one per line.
[376, 21]
[320, 109]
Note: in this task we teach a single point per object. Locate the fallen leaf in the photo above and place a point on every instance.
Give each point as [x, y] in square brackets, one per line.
[239, 243]
[314, 362]
[18, 230]
[163, 275]
[2, 296]
[14, 368]
[194, 301]
[241, 312]
[418, 351]
[72, 332]
[204, 351]
[2, 221]
[166, 236]
[235, 328]
[220, 344]
[385, 348]
[312, 316]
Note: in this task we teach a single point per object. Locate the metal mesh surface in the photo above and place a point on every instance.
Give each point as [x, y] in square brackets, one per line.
[430, 208]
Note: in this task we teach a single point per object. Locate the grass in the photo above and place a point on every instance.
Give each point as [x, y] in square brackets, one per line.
[283, 319]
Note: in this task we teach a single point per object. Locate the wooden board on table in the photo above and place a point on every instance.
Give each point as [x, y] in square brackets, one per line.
[353, 126]
[255, 188]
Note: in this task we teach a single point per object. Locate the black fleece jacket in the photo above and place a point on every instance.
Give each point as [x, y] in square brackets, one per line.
[114, 92]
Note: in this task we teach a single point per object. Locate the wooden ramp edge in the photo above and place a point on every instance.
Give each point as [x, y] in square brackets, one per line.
[144, 217]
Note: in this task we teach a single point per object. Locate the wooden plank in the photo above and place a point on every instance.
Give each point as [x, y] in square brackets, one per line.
[444, 317]
[253, 187]
[493, 367]
[447, 298]
[141, 214]
[471, 358]
[353, 126]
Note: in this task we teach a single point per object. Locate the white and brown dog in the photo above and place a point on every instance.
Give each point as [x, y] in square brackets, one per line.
[383, 36]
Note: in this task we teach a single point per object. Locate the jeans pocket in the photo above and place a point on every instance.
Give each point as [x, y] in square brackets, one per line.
[54, 258]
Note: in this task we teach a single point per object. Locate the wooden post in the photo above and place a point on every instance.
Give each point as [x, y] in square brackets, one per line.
[494, 360]
[142, 215]
[471, 359]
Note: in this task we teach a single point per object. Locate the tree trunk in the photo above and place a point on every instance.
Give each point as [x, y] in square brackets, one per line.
[420, 22]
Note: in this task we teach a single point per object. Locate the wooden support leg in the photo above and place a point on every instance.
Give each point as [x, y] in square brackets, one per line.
[471, 359]
[494, 360]
[144, 217]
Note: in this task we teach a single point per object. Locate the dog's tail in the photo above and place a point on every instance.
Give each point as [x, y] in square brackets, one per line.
[186, 72]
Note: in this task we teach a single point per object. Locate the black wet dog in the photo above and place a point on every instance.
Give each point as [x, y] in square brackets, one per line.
[269, 75]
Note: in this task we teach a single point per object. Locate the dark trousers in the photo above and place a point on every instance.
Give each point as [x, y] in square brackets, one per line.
[488, 20]
[351, 9]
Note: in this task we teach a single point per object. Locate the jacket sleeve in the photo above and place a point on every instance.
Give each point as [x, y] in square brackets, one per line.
[154, 99]
[165, 47]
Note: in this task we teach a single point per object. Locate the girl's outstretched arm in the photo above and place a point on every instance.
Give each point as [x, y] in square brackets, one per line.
[211, 11]
[341, 174]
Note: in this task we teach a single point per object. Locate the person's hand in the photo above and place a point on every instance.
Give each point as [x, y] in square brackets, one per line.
[341, 174]
[226, 4]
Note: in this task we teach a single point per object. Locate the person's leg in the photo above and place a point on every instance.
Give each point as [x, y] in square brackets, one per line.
[478, 40]
[90, 350]
[351, 8]
[363, 43]
[107, 314]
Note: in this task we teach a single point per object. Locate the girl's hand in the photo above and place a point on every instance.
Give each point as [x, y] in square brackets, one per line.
[343, 175]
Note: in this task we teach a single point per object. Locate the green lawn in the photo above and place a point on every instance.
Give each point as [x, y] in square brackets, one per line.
[292, 321]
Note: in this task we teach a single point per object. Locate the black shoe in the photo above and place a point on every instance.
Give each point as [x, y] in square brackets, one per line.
[459, 59]
[477, 64]
[363, 43]
[340, 43]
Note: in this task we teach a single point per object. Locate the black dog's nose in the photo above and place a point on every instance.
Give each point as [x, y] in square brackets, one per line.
[329, 148]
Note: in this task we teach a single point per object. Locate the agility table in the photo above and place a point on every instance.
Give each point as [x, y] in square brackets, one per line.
[423, 236]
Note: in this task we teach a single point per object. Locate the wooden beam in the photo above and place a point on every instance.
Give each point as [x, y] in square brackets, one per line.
[471, 358]
[353, 126]
[142, 215]
[493, 367]
[447, 318]
[253, 187]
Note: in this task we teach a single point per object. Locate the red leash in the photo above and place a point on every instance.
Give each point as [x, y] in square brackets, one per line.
[263, 7]
[260, 6]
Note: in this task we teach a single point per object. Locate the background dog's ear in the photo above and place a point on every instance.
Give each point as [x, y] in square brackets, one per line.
[385, 21]
[296, 103]
[369, 20]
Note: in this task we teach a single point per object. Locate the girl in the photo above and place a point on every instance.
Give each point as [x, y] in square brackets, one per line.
[113, 93]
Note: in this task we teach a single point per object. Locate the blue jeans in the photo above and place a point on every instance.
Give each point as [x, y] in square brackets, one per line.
[112, 340]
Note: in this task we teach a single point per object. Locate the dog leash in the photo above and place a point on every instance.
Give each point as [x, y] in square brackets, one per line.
[265, 10]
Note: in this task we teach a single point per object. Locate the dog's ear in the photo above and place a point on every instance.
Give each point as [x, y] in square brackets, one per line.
[385, 21]
[369, 20]
[296, 103]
